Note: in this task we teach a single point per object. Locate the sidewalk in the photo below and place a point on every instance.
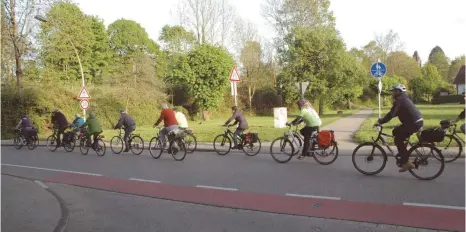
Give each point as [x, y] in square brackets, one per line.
[26, 206]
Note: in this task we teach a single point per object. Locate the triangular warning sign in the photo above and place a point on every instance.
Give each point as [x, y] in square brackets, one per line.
[84, 94]
[234, 76]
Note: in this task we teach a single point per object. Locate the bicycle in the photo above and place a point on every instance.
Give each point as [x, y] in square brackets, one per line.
[190, 140]
[176, 144]
[135, 143]
[296, 141]
[245, 142]
[451, 139]
[67, 143]
[419, 160]
[20, 140]
[100, 145]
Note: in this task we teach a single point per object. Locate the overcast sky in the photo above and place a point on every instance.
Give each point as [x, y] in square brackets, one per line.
[421, 24]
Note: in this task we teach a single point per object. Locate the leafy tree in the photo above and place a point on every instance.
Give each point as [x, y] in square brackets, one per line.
[455, 67]
[210, 67]
[417, 58]
[431, 80]
[176, 39]
[128, 38]
[250, 57]
[399, 63]
[100, 50]
[438, 58]
[373, 52]
[389, 42]
[387, 83]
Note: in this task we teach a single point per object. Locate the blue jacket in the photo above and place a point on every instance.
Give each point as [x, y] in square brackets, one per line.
[78, 122]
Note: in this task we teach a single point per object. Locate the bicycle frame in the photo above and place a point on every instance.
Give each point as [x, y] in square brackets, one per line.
[455, 134]
[293, 135]
[380, 138]
[229, 133]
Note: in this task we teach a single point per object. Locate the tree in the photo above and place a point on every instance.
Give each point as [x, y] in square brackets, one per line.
[100, 49]
[176, 39]
[251, 55]
[210, 67]
[399, 63]
[373, 52]
[455, 67]
[245, 31]
[431, 80]
[127, 37]
[417, 58]
[389, 43]
[438, 58]
[387, 82]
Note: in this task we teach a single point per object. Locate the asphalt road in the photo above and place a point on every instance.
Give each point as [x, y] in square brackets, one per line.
[259, 174]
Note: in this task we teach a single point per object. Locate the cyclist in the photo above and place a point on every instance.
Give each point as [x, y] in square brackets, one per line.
[169, 121]
[60, 123]
[460, 117]
[77, 123]
[312, 121]
[243, 124]
[180, 118]
[130, 125]
[411, 122]
[93, 128]
[28, 130]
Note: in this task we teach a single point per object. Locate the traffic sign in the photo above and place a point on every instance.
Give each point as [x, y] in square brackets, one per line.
[84, 94]
[302, 86]
[84, 104]
[378, 69]
[234, 76]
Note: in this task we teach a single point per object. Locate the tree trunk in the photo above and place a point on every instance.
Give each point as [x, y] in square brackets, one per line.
[349, 104]
[14, 30]
[321, 106]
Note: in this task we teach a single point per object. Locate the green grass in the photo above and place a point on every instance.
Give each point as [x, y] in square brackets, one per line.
[432, 115]
[206, 131]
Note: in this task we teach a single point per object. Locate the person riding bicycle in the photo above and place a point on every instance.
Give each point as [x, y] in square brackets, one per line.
[461, 117]
[28, 130]
[411, 122]
[243, 124]
[93, 128]
[312, 121]
[130, 125]
[77, 123]
[60, 123]
[169, 121]
[180, 118]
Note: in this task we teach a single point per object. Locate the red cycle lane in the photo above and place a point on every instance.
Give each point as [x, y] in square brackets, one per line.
[411, 216]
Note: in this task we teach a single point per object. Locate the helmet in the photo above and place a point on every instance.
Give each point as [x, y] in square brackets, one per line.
[301, 102]
[400, 87]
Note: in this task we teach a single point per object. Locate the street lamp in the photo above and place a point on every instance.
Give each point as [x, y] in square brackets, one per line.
[43, 19]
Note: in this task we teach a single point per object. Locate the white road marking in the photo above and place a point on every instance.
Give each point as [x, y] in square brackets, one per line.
[213, 187]
[143, 180]
[54, 170]
[434, 206]
[312, 196]
[41, 184]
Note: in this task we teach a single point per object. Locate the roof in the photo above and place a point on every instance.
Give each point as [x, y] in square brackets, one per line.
[460, 76]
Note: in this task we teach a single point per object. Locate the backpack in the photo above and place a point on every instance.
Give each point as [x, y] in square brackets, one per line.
[433, 135]
[325, 138]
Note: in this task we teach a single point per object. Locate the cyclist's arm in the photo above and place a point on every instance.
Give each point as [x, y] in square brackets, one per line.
[160, 119]
[120, 123]
[297, 120]
[461, 116]
[393, 113]
[231, 118]
[19, 124]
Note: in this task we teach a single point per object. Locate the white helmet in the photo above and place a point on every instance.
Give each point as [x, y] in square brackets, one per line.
[400, 87]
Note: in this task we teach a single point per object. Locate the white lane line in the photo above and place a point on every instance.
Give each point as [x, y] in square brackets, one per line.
[50, 169]
[41, 184]
[313, 196]
[143, 180]
[213, 187]
[434, 206]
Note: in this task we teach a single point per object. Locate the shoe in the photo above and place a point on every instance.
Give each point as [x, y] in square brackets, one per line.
[126, 150]
[407, 166]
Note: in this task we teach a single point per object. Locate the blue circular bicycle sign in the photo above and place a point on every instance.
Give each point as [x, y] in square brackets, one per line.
[378, 70]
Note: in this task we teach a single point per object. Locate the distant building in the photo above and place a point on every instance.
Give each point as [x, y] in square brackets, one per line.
[460, 80]
[417, 58]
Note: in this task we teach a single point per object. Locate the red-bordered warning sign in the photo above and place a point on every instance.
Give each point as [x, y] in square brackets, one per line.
[234, 75]
[84, 94]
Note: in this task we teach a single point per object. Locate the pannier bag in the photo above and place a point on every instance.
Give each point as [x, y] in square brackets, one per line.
[250, 138]
[325, 138]
[68, 136]
[433, 135]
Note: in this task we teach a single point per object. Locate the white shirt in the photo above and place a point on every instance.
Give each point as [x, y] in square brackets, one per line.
[181, 119]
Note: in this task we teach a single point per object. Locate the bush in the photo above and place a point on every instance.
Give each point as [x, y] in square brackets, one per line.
[265, 100]
[448, 99]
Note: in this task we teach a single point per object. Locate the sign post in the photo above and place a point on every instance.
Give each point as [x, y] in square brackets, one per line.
[234, 78]
[84, 96]
[378, 70]
[302, 86]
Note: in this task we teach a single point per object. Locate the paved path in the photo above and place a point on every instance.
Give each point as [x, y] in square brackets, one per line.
[258, 177]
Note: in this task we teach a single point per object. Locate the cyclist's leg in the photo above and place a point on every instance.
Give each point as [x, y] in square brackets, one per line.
[306, 132]
[235, 136]
[88, 139]
[314, 130]
[401, 134]
[128, 131]
[60, 132]
[94, 144]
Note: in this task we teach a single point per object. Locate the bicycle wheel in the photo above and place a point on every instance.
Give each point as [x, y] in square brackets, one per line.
[34, 143]
[51, 143]
[190, 142]
[284, 146]
[155, 148]
[222, 144]
[100, 147]
[252, 149]
[297, 144]
[421, 160]
[451, 148]
[18, 142]
[369, 152]
[137, 145]
[320, 155]
[69, 146]
[116, 144]
[82, 146]
[177, 149]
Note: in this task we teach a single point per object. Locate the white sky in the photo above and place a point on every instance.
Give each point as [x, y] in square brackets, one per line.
[421, 24]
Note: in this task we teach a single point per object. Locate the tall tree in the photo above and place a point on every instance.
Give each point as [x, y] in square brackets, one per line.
[400, 64]
[432, 79]
[100, 49]
[127, 37]
[389, 42]
[455, 67]
[373, 51]
[417, 58]
[176, 39]
[251, 56]
[438, 58]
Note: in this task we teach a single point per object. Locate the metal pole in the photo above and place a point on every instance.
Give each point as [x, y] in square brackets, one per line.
[235, 93]
[80, 67]
[380, 91]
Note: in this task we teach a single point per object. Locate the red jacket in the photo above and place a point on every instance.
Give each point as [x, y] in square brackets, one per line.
[168, 117]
